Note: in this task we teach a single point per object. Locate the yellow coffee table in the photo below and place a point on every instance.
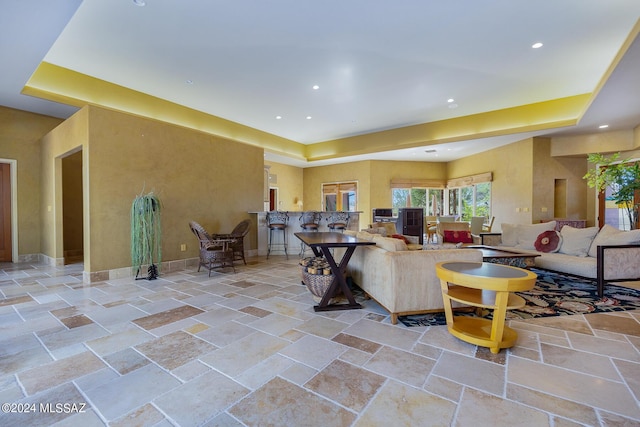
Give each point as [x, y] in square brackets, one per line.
[483, 285]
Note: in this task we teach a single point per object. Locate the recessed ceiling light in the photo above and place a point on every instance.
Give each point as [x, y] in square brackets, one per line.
[316, 87]
[450, 100]
[603, 126]
[537, 45]
[139, 2]
[278, 117]
[308, 117]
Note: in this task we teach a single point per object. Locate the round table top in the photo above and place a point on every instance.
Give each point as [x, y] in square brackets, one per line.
[485, 269]
[485, 275]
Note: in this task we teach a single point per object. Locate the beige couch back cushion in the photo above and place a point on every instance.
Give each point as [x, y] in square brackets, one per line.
[390, 244]
[609, 235]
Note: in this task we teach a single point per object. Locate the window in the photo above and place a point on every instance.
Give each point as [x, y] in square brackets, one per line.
[340, 196]
[431, 199]
[469, 201]
[418, 193]
[470, 196]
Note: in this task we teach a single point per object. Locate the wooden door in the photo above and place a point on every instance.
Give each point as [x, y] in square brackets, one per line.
[272, 199]
[5, 213]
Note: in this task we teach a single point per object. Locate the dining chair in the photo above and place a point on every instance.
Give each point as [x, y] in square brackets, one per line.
[486, 227]
[477, 222]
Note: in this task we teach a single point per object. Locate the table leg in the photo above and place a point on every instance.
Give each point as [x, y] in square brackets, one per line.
[497, 324]
[339, 282]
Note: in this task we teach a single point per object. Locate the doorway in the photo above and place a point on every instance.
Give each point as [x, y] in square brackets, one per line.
[616, 215]
[6, 254]
[273, 198]
[72, 208]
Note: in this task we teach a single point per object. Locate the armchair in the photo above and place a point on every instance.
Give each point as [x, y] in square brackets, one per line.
[214, 253]
[460, 227]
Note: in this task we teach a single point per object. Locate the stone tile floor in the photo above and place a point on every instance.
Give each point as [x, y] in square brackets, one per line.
[247, 349]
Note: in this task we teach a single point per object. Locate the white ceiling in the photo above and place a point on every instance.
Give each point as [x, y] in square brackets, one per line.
[379, 64]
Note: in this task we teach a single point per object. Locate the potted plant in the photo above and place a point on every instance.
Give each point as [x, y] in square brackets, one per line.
[623, 176]
[146, 234]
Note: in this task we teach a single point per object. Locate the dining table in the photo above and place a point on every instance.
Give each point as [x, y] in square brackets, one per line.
[322, 244]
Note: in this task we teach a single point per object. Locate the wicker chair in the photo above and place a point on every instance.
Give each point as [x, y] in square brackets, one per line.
[238, 233]
[214, 253]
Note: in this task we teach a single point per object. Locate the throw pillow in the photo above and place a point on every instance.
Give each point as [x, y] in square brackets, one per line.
[455, 236]
[548, 241]
[528, 233]
[401, 237]
[605, 232]
[577, 241]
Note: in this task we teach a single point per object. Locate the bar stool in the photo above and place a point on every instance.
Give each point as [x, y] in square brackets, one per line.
[338, 221]
[309, 221]
[277, 221]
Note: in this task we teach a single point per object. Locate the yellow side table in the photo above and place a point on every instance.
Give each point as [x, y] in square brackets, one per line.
[483, 285]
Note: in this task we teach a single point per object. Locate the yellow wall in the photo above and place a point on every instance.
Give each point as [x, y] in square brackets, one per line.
[546, 171]
[68, 138]
[374, 181]
[196, 176]
[216, 181]
[20, 133]
[600, 142]
[382, 172]
[511, 188]
[360, 172]
[289, 185]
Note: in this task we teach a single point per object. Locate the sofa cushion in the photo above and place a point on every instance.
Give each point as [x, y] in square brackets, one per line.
[528, 233]
[580, 266]
[375, 230]
[609, 235]
[509, 234]
[455, 236]
[401, 237]
[389, 227]
[577, 241]
[548, 241]
[389, 244]
[363, 235]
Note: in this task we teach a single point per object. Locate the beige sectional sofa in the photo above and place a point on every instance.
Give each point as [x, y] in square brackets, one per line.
[606, 254]
[402, 281]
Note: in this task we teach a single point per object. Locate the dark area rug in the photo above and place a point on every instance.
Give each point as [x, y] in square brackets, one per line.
[555, 294]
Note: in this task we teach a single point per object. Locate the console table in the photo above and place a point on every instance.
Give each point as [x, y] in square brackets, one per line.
[321, 243]
[483, 285]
